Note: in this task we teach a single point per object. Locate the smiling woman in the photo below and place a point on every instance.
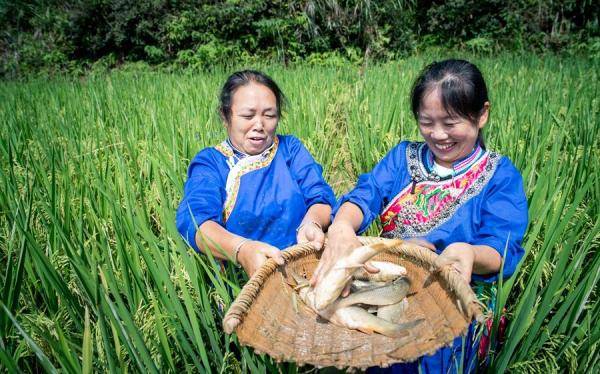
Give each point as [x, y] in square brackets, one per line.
[257, 192]
[448, 193]
[448, 136]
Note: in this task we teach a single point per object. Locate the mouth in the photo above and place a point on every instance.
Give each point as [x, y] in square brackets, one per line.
[256, 139]
[445, 147]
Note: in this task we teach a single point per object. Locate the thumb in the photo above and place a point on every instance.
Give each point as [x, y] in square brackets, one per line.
[346, 290]
[440, 263]
[301, 238]
[275, 254]
[370, 268]
[317, 244]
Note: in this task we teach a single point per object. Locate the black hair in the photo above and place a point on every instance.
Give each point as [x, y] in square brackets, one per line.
[242, 78]
[462, 89]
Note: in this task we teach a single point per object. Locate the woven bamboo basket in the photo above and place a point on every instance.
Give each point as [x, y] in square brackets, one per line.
[267, 317]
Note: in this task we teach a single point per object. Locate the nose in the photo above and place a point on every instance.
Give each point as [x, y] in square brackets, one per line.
[258, 124]
[438, 133]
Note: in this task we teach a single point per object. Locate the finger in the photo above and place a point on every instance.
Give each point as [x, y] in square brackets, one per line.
[467, 276]
[440, 262]
[301, 238]
[316, 275]
[309, 235]
[370, 268]
[275, 254]
[278, 257]
[324, 264]
[346, 290]
[422, 243]
[317, 244]
[322, 267]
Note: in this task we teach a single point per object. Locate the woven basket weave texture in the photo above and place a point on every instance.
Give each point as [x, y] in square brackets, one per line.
[270, 318]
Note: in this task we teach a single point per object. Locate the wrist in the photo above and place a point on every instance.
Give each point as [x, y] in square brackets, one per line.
[307, 223]
[341, 227]
[237, 255]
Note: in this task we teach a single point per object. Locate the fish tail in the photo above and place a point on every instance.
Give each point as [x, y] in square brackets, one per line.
[397, 330]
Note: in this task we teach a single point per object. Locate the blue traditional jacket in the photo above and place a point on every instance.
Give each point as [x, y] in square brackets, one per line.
[481, 203]
[262, 197]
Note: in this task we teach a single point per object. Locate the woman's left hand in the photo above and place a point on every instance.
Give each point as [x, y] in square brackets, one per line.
[311, 233]
[460, 256]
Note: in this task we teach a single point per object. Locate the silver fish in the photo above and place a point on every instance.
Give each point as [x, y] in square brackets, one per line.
[394, 312]
[359, 319]
[333, 282]
[388, 294]
[359, 285]
[343, 312]
[388, 271]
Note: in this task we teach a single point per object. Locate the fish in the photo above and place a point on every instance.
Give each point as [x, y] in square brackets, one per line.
[359, 285]
[387, 294]
[357, 318]
[388, 271]
[394, 312]
[335, 279]
[344, 313]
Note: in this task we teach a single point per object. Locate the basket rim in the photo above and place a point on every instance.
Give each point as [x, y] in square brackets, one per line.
[250, 291]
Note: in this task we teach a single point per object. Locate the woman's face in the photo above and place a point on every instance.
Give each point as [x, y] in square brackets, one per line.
[253, 122]
[449, 137]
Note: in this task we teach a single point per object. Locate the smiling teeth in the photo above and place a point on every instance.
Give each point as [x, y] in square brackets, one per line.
[444, 146]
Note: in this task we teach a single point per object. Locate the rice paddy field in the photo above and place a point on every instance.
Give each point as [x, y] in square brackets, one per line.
[95, 276]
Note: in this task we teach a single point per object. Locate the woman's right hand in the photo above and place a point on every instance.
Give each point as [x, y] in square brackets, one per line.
[253, 254]
[341, 239]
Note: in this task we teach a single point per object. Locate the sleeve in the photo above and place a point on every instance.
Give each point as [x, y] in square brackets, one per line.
[309, 175]
[504, 219]
[375, 189]
[203, 197]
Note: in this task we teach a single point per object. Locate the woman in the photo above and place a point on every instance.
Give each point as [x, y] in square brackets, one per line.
[257, 192]
[448, 193]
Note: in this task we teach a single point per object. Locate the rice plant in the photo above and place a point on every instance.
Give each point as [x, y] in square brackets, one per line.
[96, 278]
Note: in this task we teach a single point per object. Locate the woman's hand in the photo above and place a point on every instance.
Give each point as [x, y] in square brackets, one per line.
[461, 256]
[342, 240]
[421, 242]
[310, 232]
[253, 254]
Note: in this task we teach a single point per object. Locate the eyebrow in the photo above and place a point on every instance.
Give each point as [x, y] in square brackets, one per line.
[449, 116]
[253, 109]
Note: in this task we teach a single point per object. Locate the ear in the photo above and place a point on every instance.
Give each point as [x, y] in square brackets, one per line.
[223, 119]
[485, 113]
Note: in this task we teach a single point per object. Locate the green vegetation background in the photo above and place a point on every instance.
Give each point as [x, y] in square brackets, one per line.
[93, 274]
[49, 36]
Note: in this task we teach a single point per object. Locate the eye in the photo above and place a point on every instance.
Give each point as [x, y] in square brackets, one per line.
[271, 116]
[425, 123]
[247, 116]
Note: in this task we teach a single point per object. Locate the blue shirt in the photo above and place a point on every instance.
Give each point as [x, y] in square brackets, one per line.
[482, 203]
[263, 197]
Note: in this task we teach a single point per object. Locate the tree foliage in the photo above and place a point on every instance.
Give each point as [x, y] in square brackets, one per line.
[51, 35]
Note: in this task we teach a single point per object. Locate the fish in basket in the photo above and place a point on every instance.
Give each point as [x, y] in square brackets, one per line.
[386, 319]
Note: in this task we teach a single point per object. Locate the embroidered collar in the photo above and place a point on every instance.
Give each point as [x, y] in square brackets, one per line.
[234, 155]
[427, 162]
[428, 201]
[236, 152]
[240, 155]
